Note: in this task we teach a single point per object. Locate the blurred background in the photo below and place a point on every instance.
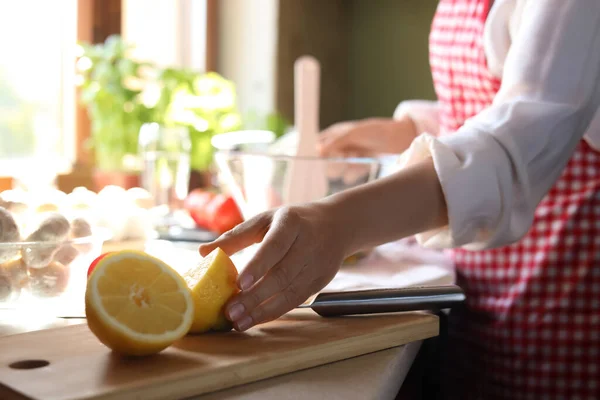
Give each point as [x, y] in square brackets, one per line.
[110, 111]
[372, 55]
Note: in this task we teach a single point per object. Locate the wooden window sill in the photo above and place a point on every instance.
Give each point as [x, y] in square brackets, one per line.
[80, 176]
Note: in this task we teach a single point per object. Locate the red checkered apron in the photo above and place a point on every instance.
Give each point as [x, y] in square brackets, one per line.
[531, 325]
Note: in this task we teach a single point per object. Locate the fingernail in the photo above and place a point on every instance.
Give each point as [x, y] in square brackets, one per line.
[246, 282]
[244, 323]
[236, 311]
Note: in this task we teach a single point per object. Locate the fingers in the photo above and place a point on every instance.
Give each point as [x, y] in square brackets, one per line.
[276, 279]
[276, 243]
[273, 308]
[335, 138]
[261, 304]
[245, 234]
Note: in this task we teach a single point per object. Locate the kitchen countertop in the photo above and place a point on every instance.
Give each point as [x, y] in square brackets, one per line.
[376, 376]
[372, 376]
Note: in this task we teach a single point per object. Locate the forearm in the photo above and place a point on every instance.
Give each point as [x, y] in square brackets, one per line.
[403, 204]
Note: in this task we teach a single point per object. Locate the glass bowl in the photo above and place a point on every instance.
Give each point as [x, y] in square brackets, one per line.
[48, 277]
[258, 181]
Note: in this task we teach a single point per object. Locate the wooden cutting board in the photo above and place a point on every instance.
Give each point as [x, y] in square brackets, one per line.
[80, 367]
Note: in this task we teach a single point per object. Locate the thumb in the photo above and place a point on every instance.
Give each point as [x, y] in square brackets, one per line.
[243, 235]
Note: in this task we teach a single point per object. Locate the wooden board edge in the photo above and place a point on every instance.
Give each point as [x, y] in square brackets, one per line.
[7, 393]
[186, 385]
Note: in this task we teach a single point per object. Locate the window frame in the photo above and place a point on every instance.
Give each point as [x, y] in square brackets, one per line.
[96, 20]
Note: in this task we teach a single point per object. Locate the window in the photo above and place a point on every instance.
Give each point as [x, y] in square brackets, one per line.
[169, 33]
[40, 123]
[37, 95]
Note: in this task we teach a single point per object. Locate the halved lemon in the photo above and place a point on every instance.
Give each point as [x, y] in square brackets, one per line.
[213, 282]
[136, 304]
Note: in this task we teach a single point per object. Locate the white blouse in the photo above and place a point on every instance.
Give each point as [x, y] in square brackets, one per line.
[547, 53]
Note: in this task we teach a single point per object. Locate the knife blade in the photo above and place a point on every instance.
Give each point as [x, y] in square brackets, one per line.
[376, 301]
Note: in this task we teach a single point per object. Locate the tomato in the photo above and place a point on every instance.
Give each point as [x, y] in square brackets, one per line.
[196, 203]
[216, 212]
[224, 213]
[96, 261]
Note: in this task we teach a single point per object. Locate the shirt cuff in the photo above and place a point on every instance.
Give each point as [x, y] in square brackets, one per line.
[473, 219]
[423, 113]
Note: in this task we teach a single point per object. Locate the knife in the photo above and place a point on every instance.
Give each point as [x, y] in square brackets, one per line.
[376, 301]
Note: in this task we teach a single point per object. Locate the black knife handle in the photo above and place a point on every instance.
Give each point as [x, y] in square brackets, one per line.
[375, 301]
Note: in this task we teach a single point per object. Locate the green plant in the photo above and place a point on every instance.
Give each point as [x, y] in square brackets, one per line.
[121, 94]
[204, 103]
[111, 90]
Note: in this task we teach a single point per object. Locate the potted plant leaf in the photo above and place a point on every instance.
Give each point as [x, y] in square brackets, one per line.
[111, 88]
[121, 94]
[204, 103]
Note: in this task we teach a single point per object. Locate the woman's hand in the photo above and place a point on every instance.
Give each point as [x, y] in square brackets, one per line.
[301, 251]
[302, 247]
[368, 137]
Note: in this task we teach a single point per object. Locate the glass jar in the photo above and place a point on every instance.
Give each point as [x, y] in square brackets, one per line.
[165, 155]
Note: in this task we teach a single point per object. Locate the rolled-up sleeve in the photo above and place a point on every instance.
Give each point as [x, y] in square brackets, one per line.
[425, 114]
[496, 169]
